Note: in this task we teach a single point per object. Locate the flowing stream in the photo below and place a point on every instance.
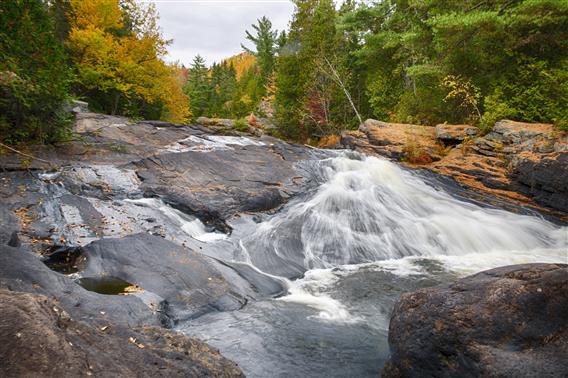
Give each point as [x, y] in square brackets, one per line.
[365, 233]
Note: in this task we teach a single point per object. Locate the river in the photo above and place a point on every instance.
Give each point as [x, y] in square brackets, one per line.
[366, 232]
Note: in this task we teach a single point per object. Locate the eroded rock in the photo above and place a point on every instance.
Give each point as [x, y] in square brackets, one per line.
[504, 322]
[190, 282]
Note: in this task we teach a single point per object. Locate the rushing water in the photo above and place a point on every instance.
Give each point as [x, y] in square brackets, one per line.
[367, 232]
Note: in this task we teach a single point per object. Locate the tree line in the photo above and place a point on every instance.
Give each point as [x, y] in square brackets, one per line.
[422, 62]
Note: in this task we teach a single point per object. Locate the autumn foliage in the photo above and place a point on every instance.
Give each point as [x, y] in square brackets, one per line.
[118, 60]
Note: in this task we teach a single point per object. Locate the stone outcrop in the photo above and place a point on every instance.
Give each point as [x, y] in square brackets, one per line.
[394, 139]
[505, 322]
[455, 134]
[215, 122]
[516, 162]
[545, 177]
[510, 137]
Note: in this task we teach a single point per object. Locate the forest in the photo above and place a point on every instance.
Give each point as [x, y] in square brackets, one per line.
[407, 61]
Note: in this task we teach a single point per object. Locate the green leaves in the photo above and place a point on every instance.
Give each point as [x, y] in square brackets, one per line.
[34, 77]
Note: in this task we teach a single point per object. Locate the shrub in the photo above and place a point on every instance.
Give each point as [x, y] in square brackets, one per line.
[241, 125]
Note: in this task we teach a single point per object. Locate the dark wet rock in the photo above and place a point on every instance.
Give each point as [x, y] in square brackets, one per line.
[546, 178]
[220, 183]
[190, 282]
[65, 260]
[22, 270]
[504, 322]
[9, 227]
[39, 338]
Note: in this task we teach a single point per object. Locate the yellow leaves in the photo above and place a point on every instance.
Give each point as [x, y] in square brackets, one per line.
[101, 14]
[242, 63]
[109, 57]
[175, 101]
[464, 91]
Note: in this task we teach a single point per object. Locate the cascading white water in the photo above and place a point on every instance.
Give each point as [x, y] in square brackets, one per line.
[369, 209]
[368, 233]
[190, 225]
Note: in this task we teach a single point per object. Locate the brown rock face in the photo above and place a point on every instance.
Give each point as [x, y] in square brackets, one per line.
[504, 322]
[397, 140]
[454, 134]
[39, 339]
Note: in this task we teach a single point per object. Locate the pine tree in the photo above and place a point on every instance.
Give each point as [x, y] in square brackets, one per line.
[197, 87]
[265, 45]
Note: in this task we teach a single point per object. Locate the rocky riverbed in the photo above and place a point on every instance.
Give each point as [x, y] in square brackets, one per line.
[122, 248]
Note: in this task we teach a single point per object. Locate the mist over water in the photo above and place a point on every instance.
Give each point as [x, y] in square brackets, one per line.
[368, 232]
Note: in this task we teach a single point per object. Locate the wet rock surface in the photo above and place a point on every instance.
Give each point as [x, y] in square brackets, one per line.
[518, 162]
[503, 322]
[111, 233]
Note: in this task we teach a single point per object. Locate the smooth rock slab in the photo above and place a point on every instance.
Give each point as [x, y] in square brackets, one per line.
[505, 322]
[190, 282]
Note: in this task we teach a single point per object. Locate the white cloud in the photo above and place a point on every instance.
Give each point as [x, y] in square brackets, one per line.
[215, 29]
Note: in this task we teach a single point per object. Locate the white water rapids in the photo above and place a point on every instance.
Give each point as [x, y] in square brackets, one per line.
[368, 232]
[370, 211]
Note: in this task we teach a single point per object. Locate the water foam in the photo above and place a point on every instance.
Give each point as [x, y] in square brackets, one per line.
[310, 291]
[190, 225]
[370, 210]
[210, 143]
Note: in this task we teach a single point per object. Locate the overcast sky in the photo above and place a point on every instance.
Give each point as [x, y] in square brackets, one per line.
[215, 29]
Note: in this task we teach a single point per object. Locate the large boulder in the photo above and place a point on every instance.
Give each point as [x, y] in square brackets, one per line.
[504, 322]
[40, 339]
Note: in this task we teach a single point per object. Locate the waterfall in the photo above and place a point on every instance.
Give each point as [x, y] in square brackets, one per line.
[369, 209]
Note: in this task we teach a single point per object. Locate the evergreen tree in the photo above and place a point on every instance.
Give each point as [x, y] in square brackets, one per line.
[304, 81]
[34, 75]
[197, 87]
[265, 45]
